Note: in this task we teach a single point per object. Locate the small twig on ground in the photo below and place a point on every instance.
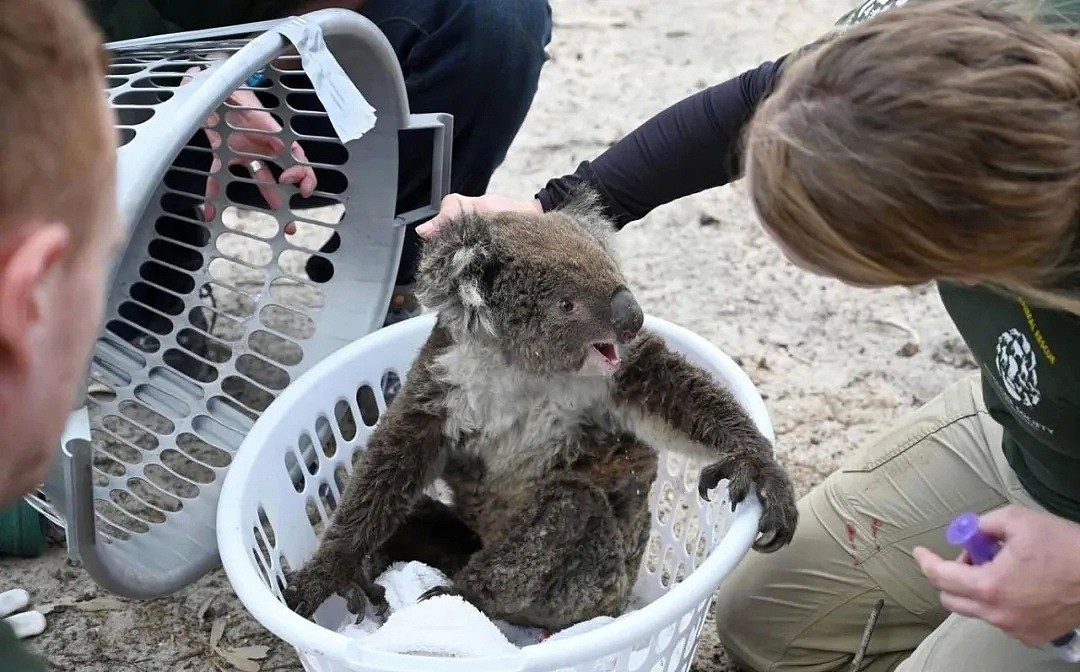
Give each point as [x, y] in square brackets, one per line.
[870, 623]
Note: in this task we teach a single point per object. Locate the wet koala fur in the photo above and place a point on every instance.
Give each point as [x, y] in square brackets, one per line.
[540, 401]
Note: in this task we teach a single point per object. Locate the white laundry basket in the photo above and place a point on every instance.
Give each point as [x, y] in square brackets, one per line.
[289, 472]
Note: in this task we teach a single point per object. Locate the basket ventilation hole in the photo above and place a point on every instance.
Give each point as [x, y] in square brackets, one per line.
[147, 492]
[369, 408]
[258, 563]
[267, 528]
[147, 417]
[186, 468]
[275, 348]
[136, 337]
[262, 552]
[169, 482]
[667, 567]
[391, 385]
[292, 468]
[331, 215]
[119, 518]
[107, 529]
[315, 518]
[233, 274]
[326, 496]
[326, 436]
[667, 502]
[676, 463]
[201, 451]
[307, 451]
[296, 294]
[345, 420]
[245, 249]
[250, 221]
[312, 237]
[182, 231]
[204, 346]
[691, 474]
[287, 322]
[247, 393]
[189, 366]
[137, 509]
[124, 440]
[341, 477]
[701, 552]
[298, 264]
[262, 372]
[662, 640]
[682, 512]
[652, 553]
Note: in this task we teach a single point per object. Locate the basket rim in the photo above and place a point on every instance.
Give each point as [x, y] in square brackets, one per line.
[697, 587]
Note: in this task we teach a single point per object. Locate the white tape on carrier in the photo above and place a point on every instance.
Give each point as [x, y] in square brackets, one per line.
[350, 113]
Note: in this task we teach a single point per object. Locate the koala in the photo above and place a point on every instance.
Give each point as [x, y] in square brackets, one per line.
[540, 401]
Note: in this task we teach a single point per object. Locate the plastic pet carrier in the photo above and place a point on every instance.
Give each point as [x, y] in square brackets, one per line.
[227, 290]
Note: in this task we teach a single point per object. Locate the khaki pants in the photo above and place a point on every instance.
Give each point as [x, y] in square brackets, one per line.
[805, 607]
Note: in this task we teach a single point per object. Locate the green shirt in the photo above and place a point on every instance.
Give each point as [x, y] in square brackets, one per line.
[1028, 358]
[13, 655]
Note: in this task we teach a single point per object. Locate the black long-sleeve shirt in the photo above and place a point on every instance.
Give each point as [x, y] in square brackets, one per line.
[691, 146]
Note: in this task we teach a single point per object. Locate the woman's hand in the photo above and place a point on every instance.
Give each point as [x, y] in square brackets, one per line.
[1030, 590]
[259, 142]
[455, 205]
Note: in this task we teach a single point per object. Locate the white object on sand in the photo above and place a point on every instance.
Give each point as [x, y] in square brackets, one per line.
[25, 624]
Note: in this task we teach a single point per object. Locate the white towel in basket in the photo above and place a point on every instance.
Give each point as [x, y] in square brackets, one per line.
[447, 626]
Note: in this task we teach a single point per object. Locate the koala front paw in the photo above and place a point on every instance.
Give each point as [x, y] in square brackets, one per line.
[774, 489]
[307, 589]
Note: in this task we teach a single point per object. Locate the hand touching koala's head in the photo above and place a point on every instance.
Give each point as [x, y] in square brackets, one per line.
[544, 290]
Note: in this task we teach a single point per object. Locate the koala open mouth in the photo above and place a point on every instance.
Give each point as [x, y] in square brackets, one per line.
[604, 355]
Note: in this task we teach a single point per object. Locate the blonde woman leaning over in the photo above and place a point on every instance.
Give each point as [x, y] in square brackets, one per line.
[923, 141]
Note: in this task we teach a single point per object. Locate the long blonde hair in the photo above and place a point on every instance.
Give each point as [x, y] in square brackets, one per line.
[937, 140]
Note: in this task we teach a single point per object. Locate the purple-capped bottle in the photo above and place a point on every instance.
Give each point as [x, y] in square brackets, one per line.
[964, 531]
[981, 548]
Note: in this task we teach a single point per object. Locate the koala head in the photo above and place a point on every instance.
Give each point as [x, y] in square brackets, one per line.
[543, 290]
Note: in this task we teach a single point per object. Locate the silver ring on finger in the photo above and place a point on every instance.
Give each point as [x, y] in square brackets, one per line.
[255, 166]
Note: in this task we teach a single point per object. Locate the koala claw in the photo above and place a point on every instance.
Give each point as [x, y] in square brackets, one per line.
[438, 591]
[774, 489]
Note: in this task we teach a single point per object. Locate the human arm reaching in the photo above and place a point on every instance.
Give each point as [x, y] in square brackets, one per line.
[691, 146]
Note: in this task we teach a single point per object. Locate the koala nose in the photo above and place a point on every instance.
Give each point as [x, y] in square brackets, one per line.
[626, 315]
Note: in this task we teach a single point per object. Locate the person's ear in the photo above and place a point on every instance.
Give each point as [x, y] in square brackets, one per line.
[27, 258]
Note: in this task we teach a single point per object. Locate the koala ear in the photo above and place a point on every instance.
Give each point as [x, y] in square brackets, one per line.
[583, 206]
[457, 272]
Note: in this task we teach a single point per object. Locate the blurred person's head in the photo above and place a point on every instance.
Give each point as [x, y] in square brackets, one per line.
[933, 141]
[59, 227]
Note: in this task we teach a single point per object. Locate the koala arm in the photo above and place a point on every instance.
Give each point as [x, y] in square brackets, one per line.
[671, 403]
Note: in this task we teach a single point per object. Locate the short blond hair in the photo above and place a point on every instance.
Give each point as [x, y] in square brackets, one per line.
[936, 140]
[54, 160]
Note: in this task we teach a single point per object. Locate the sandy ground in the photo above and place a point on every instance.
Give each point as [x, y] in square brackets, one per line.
[834, 364]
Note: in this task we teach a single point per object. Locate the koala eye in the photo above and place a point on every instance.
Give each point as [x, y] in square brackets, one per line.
[566, 305]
